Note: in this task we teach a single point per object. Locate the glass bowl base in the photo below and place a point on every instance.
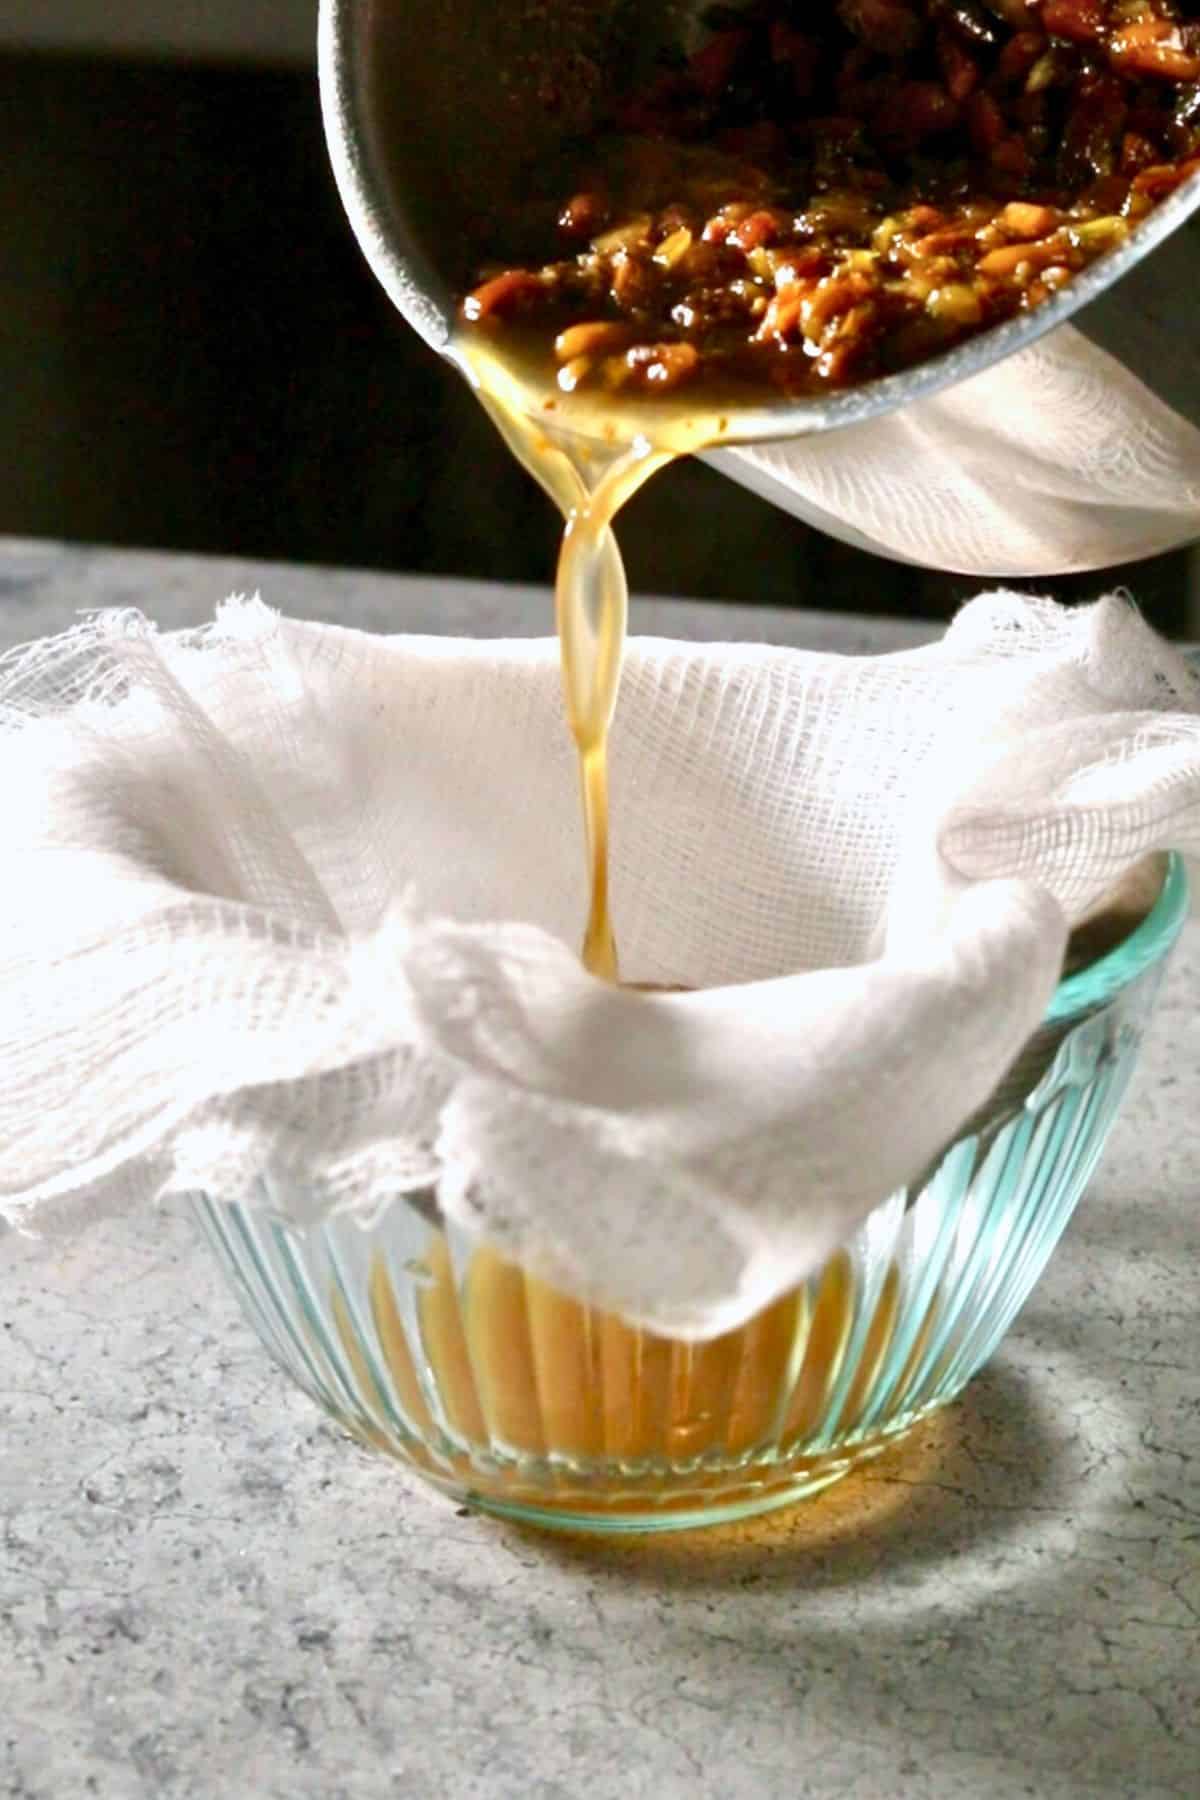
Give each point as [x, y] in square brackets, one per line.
[564, 1499]
[518, 1399]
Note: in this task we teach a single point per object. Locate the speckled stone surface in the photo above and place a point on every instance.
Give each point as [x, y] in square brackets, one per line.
[206, 1591]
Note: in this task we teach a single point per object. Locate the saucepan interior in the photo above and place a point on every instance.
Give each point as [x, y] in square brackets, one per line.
[439, 114]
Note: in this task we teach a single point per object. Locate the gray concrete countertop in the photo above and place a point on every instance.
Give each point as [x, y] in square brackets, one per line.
[206, 1591]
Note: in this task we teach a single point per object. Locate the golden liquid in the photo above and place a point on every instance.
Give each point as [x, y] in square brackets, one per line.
[591, 455]
[493, 1359]
[516, 1363]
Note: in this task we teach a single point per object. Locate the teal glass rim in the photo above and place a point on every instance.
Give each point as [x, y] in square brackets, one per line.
[1146, 944]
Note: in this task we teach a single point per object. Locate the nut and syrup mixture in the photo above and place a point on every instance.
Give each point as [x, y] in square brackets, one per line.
[824, 194]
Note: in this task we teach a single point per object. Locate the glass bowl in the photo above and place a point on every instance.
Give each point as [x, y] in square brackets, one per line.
[516, 1399]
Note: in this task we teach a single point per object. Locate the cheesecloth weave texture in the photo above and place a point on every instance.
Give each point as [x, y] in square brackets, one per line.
[1057, 459]
[295, 902]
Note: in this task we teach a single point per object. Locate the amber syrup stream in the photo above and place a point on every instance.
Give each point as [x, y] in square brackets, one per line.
[591, 461]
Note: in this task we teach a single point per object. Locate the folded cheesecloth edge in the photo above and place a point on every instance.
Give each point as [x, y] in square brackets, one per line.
[1055, 459]
[290, 909]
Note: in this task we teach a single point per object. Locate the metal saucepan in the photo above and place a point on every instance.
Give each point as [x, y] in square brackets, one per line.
[435, 111]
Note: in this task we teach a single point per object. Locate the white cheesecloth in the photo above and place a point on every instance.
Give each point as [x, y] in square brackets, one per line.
[290, 900]
[1057, 459]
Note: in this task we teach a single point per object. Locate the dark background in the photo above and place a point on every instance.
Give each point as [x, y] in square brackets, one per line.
[193, 356]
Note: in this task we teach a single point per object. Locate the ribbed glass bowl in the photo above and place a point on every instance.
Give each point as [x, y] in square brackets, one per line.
[516, 1399]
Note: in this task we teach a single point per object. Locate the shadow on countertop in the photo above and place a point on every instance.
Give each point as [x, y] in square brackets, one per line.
[928, 1498]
